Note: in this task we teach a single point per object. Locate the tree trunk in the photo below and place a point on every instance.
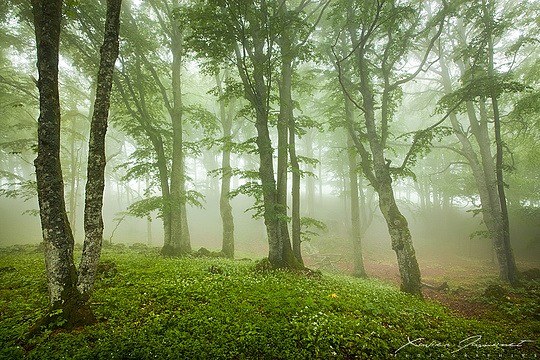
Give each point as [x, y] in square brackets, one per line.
[310, 180]
[399, 235]
[266, 173]
[256, 90]
[503, 249]
[149, 230]
[57, 235]
[380, 177]
[225, 208]
[180, 243]
[281, 205]
[280, 253]
[287, 124]
[295, 192]
[95, 184]
[157, 143]
[75, 168]
[356, 231]
[484, 172]
[73, 178]
[366, 214]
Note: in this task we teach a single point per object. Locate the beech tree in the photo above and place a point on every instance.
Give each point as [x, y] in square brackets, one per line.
[477, 96]
[294, 26]
[153, 111]
[225, 208]
[372, 40]
[68, 290]
[179, 241]
[241, 33]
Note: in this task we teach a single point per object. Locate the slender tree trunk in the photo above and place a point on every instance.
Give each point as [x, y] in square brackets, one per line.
[310, 180]
[148, 217]
[320, 182]
[157, 143]
[286, 126]
[295, 192]
[95, 184]
[356, 231]
[180, 243]
[75, 164]
[282, 129]
[225, 208]
[73, 171]
[365, 219]
[505, 256]
[149, 230]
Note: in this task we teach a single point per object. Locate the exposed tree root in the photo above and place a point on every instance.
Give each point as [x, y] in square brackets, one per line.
[72, 314]
[443, 287]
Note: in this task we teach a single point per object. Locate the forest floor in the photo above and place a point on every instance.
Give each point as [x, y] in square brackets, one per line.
[473, 290]
[150, 307]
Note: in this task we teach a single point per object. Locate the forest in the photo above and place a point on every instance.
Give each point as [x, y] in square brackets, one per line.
[269, 179]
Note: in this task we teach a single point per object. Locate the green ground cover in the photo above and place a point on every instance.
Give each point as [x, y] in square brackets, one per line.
[152, 307]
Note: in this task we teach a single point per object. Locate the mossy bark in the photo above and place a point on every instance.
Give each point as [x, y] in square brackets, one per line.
[69, 307]
[375, 166]
[95, 185]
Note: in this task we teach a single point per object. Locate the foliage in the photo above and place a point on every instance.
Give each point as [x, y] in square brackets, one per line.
[255, 190]
[23, 189]
[144, 207]
[311, 227]
[161, 308]
[422, 144]
[478, 87]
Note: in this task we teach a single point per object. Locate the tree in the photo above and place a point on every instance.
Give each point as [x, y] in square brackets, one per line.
[507, 263]
[95, 183]
[373, 40]
[179, 241]
[67, 300]
[482, 86]
[356, 225]
[293, 34]
[151, 88]
[225, 208]
[244, 29]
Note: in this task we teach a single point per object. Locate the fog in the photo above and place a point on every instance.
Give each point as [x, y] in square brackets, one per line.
[419, 138]
[439, 234]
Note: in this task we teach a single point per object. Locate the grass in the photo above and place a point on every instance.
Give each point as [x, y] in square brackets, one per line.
[158, 308]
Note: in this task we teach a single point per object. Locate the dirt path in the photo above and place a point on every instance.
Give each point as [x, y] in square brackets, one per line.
[466, 279]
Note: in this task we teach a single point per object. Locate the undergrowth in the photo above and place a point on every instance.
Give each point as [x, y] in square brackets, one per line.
[150, 307]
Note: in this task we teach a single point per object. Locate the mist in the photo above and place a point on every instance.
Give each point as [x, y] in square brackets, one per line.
[384, 147]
